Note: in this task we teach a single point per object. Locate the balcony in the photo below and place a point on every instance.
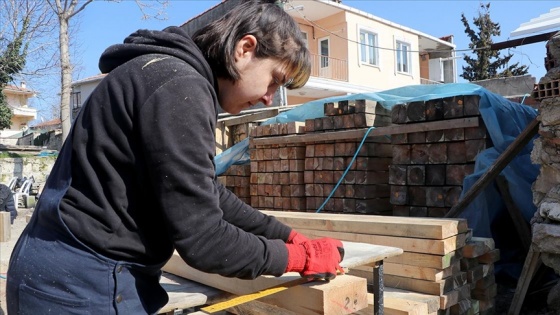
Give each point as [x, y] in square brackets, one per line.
[428, 81]
[329, 68]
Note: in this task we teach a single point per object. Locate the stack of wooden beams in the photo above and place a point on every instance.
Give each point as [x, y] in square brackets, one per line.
[301, 176]
[236, 179]
[276, 180]
[479, 256]
[430, 265]
[364, 188]
[428, 167]
[350, 114]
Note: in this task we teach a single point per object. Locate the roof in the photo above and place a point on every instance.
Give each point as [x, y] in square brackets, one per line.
[48, 123]
[18, 90]
[94, 78]
[547, 21]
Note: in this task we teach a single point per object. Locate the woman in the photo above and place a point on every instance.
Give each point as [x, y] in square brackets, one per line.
[7, 202]
[136, 179]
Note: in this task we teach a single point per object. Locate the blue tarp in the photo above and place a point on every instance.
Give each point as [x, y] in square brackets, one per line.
[503, 119]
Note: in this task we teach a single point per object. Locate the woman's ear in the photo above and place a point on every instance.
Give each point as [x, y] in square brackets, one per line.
[245, 47]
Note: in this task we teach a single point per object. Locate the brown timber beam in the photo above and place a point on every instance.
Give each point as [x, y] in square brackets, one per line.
[496, 168]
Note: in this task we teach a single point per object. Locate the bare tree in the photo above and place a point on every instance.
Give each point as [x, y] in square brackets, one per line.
[26, 28]
[67, 9]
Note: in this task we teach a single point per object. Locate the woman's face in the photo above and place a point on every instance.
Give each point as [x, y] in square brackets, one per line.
[259, 79]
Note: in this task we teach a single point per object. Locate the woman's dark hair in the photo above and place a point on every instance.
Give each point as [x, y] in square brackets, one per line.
[278, 37]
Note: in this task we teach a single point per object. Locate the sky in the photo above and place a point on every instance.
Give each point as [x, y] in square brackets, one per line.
[104, 23]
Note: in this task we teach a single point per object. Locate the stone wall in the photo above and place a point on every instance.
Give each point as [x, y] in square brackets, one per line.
[545, 224]
[38, 167]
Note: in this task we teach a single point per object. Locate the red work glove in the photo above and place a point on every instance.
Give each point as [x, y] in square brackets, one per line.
[316, 259]
[296, 238]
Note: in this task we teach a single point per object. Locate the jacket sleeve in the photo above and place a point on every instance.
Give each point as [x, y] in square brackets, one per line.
[177, 132]
[249, 219]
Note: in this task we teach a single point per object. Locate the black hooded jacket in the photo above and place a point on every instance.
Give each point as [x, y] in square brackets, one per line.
[142, 163]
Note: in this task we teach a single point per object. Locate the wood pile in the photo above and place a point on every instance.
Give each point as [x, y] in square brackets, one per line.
[428, 167]
[236, 179]
[441, 259]
[277, 171]
[418, 173]
[479, 256]
[301, 176]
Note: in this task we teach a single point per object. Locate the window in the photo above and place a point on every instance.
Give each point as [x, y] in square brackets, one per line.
[324, 52]
[76, 99]
[368, 47]
[304, 35]
[403, 57]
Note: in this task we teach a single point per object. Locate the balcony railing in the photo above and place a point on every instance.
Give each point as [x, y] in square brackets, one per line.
[329, 68]
[427, 81]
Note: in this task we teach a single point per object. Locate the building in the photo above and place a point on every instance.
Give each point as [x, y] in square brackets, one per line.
[352, 52]
[81, 89]
[17, 98]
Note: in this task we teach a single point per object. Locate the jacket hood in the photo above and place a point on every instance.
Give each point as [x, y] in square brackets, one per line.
[171, 41]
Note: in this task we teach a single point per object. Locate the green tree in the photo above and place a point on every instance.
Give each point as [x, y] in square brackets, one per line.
[25, 28]
[12, 61]
[488, 63]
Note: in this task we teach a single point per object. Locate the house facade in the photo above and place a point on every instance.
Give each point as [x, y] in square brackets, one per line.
[81, 90]
[17, 98]
[352, 52]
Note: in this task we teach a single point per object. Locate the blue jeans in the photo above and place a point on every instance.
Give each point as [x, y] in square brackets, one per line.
[51, 272]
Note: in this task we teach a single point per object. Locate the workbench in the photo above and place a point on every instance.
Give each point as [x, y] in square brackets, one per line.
[185, 294]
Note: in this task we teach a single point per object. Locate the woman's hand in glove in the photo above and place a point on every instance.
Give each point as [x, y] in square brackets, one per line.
[296, 238]
[316, 259]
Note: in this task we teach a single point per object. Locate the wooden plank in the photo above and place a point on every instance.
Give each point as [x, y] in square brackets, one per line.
[426, 260]
[478, 246]
[426, 228]
[257, 308]
[490, 257]
[432, 302]
[379, 131]
[519, 222]
[532, 263]
[342, 295]
[245, 118]
[5, 226]
[496, 168]
[453, 297]
[437, 247]
[396, 306]
[184, 293]
[332, 297]
[422, 286]
[423, 273]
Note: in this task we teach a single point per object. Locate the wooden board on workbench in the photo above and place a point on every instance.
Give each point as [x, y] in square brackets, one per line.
[184, 294]
[309, 298]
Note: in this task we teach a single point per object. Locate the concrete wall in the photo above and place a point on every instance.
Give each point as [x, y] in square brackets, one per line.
[512, 86]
